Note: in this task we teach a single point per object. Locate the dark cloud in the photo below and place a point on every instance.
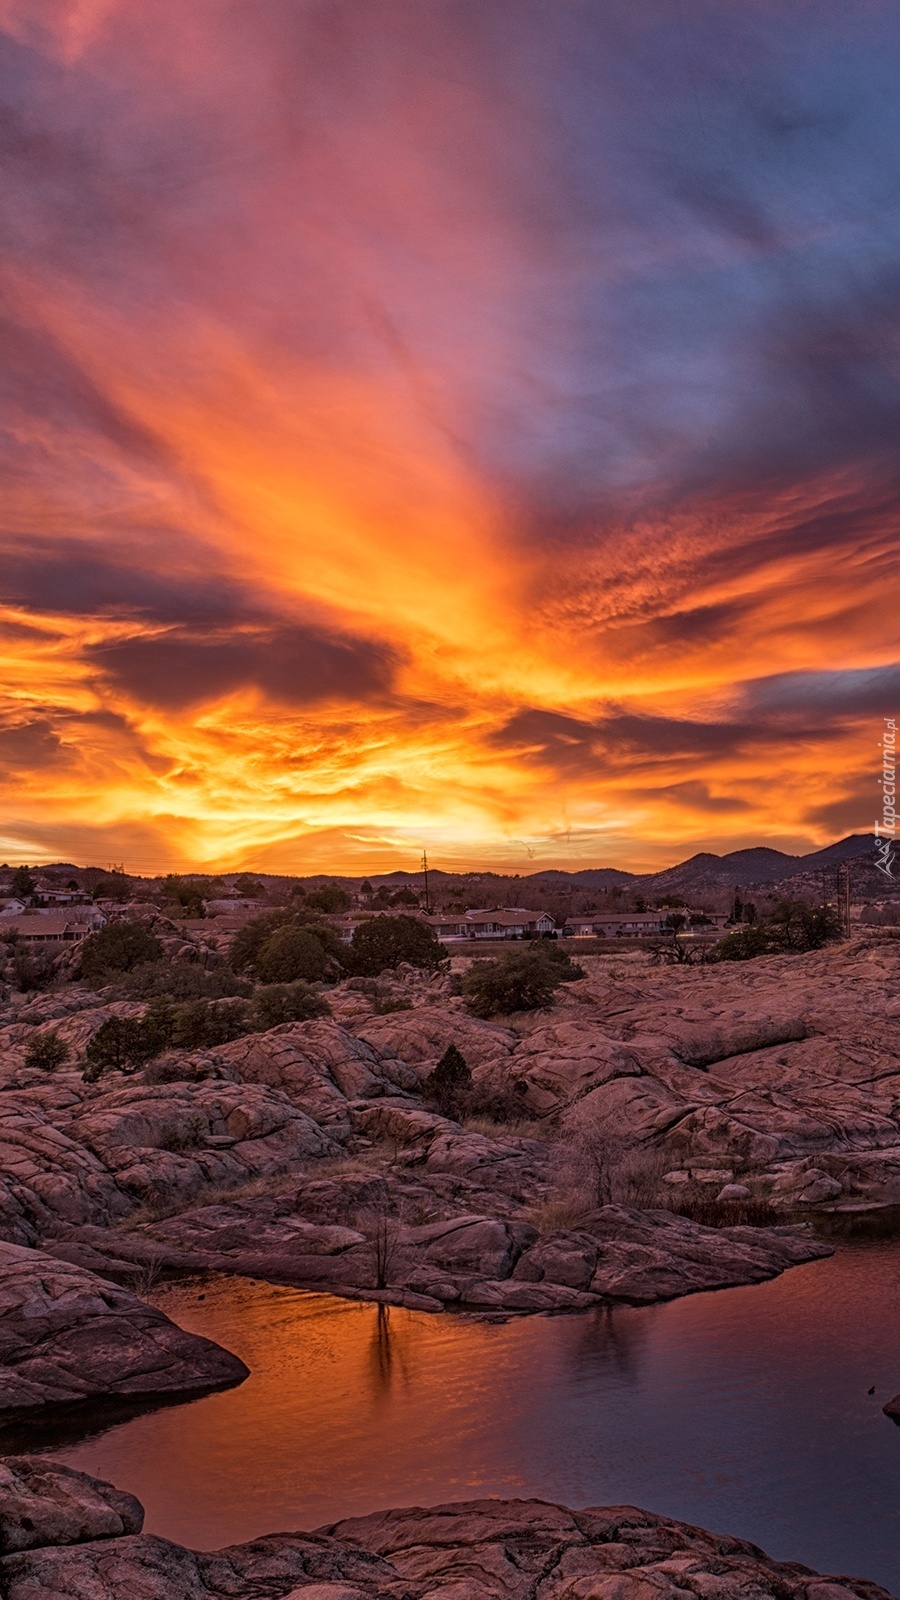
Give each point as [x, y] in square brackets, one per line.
[27, 746]
[570, 745]
[695, 796]
[838, 695]
[71, 579]
[294, 666]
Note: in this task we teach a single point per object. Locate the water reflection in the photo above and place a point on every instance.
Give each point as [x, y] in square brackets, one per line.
[745, 1411]
[611, 1341]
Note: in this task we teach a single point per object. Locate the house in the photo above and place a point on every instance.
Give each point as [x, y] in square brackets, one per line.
[509, 922]
[58, 927]
[11, 908]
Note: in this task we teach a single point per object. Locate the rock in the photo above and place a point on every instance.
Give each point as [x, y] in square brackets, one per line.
[470, 1550]
[734, 1191]
[700, 1046]
[67, 1335]
[43, 1502]
[892, 1409]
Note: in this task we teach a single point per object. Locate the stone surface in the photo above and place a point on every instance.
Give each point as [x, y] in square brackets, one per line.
[68, 1336]
[471, 1550]
[42, 1502]
[768, 1084]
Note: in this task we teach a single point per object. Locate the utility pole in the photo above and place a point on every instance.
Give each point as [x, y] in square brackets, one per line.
[425, 870]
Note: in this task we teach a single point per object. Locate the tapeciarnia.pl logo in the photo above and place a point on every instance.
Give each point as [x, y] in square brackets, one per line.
[885, 830]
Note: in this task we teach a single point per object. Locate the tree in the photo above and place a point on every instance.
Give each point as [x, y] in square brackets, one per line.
[119, 947]
[22, 883]
[123, 1044]
[186, 895]
[115, 887]
[250, 939]
[365, 887]
[47, 1050]
[249, 888]
[516, 981]
[287, 1002]
[383, 942]
[289, 953]
[331, 898]
[448, 1083]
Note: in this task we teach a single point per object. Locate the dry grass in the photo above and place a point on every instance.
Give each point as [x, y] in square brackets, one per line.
[560, 1213]
[513, 1128]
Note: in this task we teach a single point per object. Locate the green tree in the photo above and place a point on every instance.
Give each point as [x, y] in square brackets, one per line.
[22, 883]
[287, 1002]
[331, 899]
[46, 1051]
[187, 896]
[289, 953]
[382, 942]
[119, 947]
[123, 1044]
[519, 980]
[447, 1085]
[249, 888]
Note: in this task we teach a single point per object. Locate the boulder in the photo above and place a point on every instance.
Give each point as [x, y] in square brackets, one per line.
[67, 1335]
[43, 1502]
[469, 1550]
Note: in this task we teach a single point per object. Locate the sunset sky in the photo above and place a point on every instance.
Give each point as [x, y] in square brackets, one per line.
[461, 424]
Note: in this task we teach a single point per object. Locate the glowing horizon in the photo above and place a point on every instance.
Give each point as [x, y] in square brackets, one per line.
[449, 428]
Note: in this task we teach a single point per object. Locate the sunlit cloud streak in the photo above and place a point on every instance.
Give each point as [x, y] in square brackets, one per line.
[453, 425]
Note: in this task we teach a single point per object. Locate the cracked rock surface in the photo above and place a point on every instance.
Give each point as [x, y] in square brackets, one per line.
[472, 1550]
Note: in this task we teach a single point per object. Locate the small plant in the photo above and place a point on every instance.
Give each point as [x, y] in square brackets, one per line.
[47, 1051]
[447, 1085]
[277, 1003]
[123, 1044]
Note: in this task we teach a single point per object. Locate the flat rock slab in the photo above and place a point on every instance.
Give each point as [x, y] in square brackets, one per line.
[67, 1335]
[472, 1550]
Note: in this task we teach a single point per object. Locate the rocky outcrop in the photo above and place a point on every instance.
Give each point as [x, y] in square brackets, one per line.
[68, 1158]
[471, 1550]
[43, 1503]
[68, 1336]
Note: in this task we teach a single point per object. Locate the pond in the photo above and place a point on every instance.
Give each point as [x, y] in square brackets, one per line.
[746, 1411]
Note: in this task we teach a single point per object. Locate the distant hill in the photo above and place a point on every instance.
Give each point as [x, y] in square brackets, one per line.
[758, 868]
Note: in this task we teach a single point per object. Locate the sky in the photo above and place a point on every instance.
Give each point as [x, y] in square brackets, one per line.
[462, 425]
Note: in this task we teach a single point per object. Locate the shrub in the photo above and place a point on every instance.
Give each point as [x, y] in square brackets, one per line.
[446, 1086]
[289, 953]
[119, 947]
[792, 927]
[123, 1044]
[47, 1051]
[249, 940]
[744, 943]
[383, 942]
[287, 1002]
[181, 980]
[519, 980]
[198, 1024]
[330, 898]
[32, 968]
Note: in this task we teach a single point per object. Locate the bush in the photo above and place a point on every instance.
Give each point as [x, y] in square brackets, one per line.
[384, 942]
[123, 1044]
[249, 940]
[119, 947]
[519, 980]
[47, 1051]
[330, 899]
[181, 980]
[289, 953]
[32, 966]
[792, 927]
[446, 1086]
[198, 1024]
[287, 1002]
